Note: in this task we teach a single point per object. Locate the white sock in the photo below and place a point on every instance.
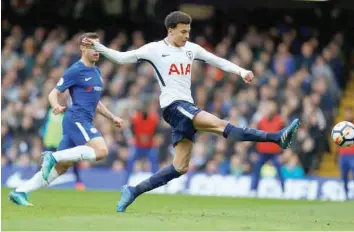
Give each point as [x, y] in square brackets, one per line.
[37, 182]
[75, 154]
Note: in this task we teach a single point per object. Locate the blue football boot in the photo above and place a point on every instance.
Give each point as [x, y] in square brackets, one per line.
[126, 199]
[48, 164]
[19, 198]
[288, 133]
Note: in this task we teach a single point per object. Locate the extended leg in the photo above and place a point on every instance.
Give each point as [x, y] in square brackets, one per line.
[162, 177]
[20, 194]
[205, 121]
[95, 149]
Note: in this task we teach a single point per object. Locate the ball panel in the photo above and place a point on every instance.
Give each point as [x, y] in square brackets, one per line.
[349, 124]
[348, 133]
[339, 126]
[337, 138]
[347, 143]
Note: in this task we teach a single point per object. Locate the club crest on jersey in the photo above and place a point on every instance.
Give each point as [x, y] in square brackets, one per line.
[189, 54]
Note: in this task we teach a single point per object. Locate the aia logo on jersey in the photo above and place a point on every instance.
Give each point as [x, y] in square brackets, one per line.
[179, 69]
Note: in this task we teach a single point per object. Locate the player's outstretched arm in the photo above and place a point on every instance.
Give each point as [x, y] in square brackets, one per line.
[111, 54]
[54, 102]
[116, 56]
[223, 64]
[128, 57]
[102, 109]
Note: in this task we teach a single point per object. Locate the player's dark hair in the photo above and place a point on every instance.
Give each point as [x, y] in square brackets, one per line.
[90, 35]
[176, 17]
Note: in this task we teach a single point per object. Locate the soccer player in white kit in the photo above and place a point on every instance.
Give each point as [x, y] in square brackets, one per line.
[172, 60]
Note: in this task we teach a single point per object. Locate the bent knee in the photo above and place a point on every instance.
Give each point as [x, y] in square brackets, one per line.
[101, 152]
[61, 168]
[181, 168]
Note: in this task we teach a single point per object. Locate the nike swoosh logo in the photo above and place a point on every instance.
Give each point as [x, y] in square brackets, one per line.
[164, 55]
[87, 79]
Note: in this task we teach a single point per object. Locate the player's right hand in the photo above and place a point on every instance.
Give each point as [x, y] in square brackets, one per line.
[58, 109]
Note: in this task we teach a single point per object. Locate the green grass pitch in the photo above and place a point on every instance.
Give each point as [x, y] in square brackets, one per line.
[96, 210]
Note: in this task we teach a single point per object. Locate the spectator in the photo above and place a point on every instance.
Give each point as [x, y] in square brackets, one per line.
[236, 166]
[271, 122]
[144, 125]
[307, 57]
[284, 64]
[292, 168]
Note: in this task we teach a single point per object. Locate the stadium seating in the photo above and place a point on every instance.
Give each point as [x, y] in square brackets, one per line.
[293, 72]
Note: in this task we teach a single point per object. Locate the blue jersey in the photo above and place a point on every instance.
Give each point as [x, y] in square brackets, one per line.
[85, 86]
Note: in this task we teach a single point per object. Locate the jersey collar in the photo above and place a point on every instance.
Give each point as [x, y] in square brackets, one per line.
[170, 45]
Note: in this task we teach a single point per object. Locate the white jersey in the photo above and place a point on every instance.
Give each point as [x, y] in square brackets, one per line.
[172, 65]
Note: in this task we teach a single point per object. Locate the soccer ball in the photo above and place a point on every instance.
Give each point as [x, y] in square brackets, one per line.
[343, 134]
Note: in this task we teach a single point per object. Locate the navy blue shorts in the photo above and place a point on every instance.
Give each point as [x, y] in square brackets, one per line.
[180, 116]
[76, 132]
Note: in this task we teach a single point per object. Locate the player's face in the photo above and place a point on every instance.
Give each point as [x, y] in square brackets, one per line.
[180, 34]
[89, 53]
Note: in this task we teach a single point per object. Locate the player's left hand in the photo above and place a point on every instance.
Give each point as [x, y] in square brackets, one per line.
[87, 42]
[118, 122]
[247, 76]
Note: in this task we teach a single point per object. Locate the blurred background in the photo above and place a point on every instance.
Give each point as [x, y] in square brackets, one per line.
[300, 51]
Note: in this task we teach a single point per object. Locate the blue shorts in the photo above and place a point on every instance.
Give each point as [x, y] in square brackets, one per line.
[76, 132]
[180, 116]
[346, 164]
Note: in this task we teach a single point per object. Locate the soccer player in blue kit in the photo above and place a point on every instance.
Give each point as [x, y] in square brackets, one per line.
[81, 140]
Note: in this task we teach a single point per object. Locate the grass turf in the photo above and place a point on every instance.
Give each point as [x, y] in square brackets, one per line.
[96, 210]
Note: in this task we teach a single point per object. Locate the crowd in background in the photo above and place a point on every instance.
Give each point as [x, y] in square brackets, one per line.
[295, 70]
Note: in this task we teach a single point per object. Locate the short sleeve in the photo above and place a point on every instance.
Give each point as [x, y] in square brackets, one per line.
[68, 80]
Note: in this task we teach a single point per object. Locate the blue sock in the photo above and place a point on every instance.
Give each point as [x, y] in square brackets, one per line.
[76, 172]
[160, 178]
[249, 134]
